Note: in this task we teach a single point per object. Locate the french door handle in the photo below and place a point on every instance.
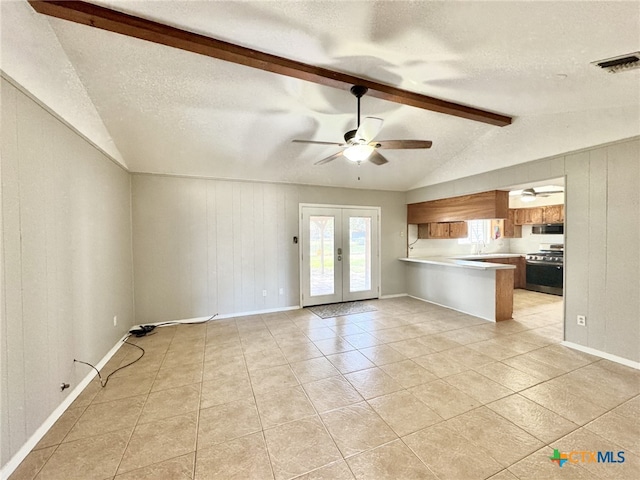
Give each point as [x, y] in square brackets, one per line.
[339, 251]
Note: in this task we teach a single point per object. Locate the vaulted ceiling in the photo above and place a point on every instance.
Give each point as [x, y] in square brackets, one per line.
[159, 109]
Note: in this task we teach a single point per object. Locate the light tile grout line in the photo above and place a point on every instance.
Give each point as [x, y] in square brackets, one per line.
[255, 401]
[199, 409]
[143, 405]
[332, 326]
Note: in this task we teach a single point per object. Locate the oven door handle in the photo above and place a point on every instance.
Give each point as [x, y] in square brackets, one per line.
[537, 262]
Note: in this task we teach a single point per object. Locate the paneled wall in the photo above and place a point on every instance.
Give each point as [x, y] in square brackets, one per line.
[206, 246]
[602, 238]
[603, 253]
[67, 266]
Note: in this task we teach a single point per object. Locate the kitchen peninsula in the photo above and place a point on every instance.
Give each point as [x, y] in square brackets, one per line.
[481, 289]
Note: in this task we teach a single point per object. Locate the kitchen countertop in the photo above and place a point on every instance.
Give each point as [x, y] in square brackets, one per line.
[480, 256]
[460, 263]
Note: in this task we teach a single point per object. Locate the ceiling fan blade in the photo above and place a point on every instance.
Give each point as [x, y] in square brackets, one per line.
[377, 159]
[328, 159]
[368, 129]
[402, 144]
[318, 143]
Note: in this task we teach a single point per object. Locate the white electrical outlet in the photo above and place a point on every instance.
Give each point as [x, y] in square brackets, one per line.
[282, 291]
[264, 293]
[582, 320]
[115, 320]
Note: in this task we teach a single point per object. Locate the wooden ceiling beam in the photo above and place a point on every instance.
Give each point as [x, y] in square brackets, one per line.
[125, 24]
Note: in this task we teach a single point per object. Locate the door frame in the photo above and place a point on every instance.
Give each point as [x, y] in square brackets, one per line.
[301, 232]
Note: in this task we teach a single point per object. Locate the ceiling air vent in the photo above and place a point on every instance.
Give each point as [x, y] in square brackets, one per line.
[618, 64]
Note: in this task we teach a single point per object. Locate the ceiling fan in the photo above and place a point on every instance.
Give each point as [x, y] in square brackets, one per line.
[359, 144]
[529, 194]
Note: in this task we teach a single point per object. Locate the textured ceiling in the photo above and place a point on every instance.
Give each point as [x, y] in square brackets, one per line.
[170, 111]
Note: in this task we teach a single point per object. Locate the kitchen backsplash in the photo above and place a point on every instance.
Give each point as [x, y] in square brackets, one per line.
[530, 243]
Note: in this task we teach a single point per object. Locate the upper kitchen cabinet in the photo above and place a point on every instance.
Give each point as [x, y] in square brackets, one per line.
[506, 227]
[539, 215]
[458, 230]
[528, 216]
[485, 205]
[442, 230]
[553, 214]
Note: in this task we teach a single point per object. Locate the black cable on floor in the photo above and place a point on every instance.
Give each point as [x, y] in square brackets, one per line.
[104, 382]
[142, 331]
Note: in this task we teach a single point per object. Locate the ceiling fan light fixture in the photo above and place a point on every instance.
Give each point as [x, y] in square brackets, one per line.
[358, 153]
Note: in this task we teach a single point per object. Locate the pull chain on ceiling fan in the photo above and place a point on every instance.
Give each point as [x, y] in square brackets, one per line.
[359, 142]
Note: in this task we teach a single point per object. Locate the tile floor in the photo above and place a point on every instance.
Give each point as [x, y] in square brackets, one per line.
[409, 391]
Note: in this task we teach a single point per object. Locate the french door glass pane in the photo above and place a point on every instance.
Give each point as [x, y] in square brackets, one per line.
[359, 254]
[321, 255]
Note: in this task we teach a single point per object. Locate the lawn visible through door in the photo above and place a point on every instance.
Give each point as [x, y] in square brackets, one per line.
[339, 256]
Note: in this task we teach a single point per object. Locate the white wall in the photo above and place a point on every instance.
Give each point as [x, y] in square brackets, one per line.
[602, 237]
[530, 242]
[204, 246]
[67, 266]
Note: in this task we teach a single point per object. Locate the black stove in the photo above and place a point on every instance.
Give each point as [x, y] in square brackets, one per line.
[554, 257]
[545, 270]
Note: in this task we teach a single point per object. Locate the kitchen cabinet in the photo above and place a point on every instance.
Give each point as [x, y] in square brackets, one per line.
[442, 230]
[528, 216]
[553, 214]
[485, 205]
[505, 227]
[538, 215]
[519, 276]
[458, 230]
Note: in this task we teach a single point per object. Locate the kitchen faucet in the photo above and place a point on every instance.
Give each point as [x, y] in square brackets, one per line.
[477, 248]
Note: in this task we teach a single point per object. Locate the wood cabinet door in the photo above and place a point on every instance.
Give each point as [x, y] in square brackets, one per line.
[458, 230]
[509, 229]
[528, 216]
[519, 274]
[438, 230]
[522, 272]
[534, 216]
[512, 229]
[554, 214]
[504, 261]
[519, 216]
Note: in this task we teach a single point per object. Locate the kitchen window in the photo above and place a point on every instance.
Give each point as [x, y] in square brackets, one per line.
[479, 233]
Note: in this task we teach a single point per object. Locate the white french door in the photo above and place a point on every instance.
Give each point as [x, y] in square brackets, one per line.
[339, 254]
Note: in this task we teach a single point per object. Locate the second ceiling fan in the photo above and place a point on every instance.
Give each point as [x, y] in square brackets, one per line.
[359, 144]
